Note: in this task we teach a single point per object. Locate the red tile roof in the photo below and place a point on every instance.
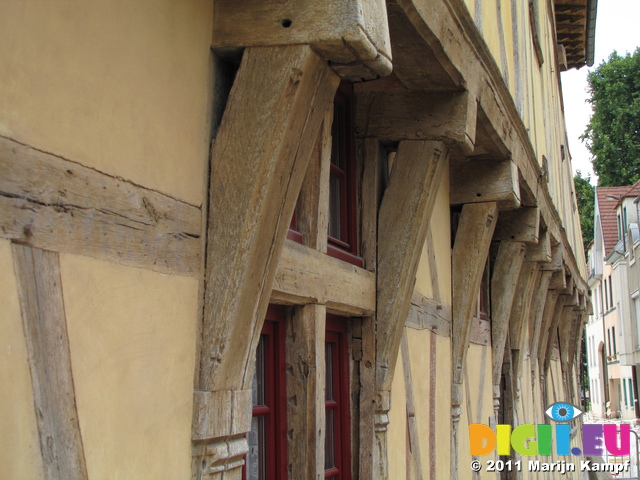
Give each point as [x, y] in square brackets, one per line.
[608, 216]
[632, 191]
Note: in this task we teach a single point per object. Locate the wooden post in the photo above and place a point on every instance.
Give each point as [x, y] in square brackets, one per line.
[404, 215]
[305, 391]
[45, 326]
[259, 159]
[503, 288]
[470, 251]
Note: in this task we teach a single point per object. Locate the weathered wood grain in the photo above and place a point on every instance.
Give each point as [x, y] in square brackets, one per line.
[427, 313]
[52, 203]
[448, 117]
[404, 215]
[479, 181]
[470, 251]
[504, 280]
[312, 209]
[522, 225]
[353, 35]
[304, 276]
[305, 350]
[469, 257]
[45, 325]
[280, 96]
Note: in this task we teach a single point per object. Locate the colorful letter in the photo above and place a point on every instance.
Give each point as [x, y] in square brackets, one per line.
[563, 439]
[482, 439]
[522, 435]
[611, 439]
[544, 439]
[504, 439]
[592, 439]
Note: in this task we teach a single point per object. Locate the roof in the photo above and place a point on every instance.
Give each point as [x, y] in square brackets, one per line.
[608, 198]
[632, 191]
[575, 30]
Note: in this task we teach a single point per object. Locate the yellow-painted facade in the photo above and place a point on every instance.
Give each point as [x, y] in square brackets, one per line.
[133, 90]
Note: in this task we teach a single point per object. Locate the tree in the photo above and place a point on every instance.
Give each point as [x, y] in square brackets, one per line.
[585, 196]
[613, 133]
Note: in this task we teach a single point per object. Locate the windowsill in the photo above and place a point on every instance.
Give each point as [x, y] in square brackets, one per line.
[345, 256]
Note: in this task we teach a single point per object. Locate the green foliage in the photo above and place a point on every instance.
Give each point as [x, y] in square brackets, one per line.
[613, 133]
[585, 196]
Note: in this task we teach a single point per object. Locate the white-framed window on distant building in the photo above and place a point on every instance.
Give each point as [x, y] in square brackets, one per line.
[636, 308]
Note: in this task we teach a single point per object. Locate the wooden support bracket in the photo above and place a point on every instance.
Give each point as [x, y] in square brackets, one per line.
[351, 34]
[404, 215]
[280, 95]
[541, 251]
[504, 280]
[470, 251]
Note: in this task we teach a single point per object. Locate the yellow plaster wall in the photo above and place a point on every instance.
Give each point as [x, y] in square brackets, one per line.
[19, 443]
[123, 87]
[132, 342]
[443, 406]
[441, 234]
[397, 434]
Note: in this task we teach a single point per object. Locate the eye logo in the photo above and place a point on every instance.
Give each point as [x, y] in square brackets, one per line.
[563, 412]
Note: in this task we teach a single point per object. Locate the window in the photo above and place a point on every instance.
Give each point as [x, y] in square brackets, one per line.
[609, 341]
[337, 460]
[624, 387]
[613, 335]
[610, 294]
[267, 457]
[631, 396]
[342, 241]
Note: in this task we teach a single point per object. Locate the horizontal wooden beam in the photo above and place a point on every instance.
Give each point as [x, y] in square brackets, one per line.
[427, 313]
[305, 275]
[353, 35]
[477, 181]
[521, 225]
[56, 204]
[447, 116]
[541, 251]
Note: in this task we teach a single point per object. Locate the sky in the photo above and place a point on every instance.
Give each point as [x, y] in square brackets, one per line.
[617, 28]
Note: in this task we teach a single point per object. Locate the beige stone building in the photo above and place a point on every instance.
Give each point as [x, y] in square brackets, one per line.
[265, 239]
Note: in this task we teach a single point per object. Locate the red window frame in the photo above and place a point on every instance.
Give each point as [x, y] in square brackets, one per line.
[337, 400]
[274, 408]
[343, 169]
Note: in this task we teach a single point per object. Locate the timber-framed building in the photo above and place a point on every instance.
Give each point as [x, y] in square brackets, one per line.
[283, 239]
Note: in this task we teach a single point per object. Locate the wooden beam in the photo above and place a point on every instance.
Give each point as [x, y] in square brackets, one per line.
[449, 30]
[558, 315]
[312, 208]
[45, 327]
[478, 181]
[404, 215]
[538, 306]
[521, 311]
[354, 35]
[305, 391]
[259, 159]
[556, 263]
[470, 251]
[504, 280]
[448, 117]
[541, 251]
[306, 276]
[427, 313]
[56, 204]
[522, 225]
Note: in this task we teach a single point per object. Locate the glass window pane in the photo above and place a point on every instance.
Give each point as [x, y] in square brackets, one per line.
[256, 465]
[328, 376]
[335, 185]
[329, 443]
[336, 128]
[258, 377]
